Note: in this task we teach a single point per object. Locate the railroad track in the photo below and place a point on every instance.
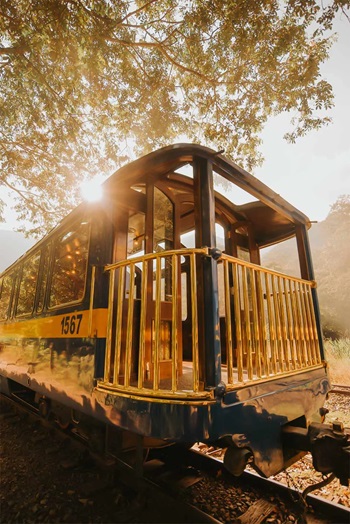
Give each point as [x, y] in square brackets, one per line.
[321, 507]
[170, 476]
[340, 389]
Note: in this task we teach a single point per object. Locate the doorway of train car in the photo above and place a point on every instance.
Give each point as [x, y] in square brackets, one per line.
[148, 227]
[163, 237]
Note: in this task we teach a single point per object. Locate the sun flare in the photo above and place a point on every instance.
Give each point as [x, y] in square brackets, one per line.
[91, 190]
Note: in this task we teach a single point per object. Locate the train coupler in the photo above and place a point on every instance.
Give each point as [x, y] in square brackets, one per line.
[328, 444]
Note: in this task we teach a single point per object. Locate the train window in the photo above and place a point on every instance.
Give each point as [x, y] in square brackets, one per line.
[243, 254]
[188, 239]
[45, 261]
[186, 170]
[6, 284]
[163, 239]
[163, 236]
[69, 266]
[220, 236]
[27, 285]
[229, 190]
[136, 235]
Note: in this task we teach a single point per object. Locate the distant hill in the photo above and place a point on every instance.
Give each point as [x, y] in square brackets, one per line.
[330, 244]
[12, 246]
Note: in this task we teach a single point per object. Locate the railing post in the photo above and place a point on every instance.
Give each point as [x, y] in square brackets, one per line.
[208, 303]
[305, 253]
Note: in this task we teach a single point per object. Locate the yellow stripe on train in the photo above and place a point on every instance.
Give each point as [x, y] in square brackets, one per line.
[79, 324]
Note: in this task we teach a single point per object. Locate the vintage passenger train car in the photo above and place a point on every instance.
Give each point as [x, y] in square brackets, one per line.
[151, 313]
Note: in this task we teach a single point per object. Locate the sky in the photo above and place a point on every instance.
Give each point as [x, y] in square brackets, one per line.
[312, 173]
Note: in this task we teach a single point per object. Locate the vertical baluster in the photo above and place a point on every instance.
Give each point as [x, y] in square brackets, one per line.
[314, 327]
[262, 325]
[156, 345]
[194, 314]
[228, 319]
[129, 328]
[118, 337]
[291, 331]
[257, 341]
[306, 326]
[247, 324]
[283, 309]
[144, 283]
[301, 323]
[108, 364]
[277, 323]
[174, 317]
[296, 324]
[271, 315]
[271, 325]
[238, 321]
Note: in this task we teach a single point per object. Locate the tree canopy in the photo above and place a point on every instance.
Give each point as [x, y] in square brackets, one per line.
[87, 84]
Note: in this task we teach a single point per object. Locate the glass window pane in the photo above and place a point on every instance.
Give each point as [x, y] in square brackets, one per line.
[163, 235]
[136, 235]
[27, 285]
[5, 295]
[163, 240]
[44, 274]
[70, 262]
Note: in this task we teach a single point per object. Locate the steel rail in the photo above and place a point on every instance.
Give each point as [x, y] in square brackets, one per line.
[340, 389]
[320, 505]
[168, 502]
[174, 455]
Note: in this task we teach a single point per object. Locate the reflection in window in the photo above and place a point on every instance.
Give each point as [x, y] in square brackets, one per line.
[220, 236]
[43, 281]
[165, 347]
[5, 295]
[188, 239]
[136, 235]
[163, 240]
[69, 270]
[27, 285]
[243, 254]
[163, 236]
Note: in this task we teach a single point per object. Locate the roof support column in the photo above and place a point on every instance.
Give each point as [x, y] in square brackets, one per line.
[207, 284]
[307, 272]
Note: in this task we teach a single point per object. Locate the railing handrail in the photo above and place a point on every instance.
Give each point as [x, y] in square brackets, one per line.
[268, 329]
[160, 254]
[206, 251]
[239, 261]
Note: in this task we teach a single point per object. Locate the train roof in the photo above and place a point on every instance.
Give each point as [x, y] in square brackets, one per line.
[274, 218]
[170, 158]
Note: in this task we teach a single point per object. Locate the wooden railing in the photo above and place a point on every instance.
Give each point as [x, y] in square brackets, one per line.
[270, 323]
[138, 337]
[267, 327]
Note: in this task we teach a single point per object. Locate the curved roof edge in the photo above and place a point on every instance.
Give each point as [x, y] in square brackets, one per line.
[171, 157]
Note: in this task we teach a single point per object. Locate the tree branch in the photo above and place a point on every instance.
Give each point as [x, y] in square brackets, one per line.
[15, 50]
[21, 193]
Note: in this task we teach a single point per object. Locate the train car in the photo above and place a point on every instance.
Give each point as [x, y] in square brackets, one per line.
[150, 312]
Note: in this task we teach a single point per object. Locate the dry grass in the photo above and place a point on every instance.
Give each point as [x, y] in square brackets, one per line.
[338, 357]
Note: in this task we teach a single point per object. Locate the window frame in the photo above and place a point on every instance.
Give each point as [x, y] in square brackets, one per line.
[18, 286]
[76, 224]
[9, 312]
